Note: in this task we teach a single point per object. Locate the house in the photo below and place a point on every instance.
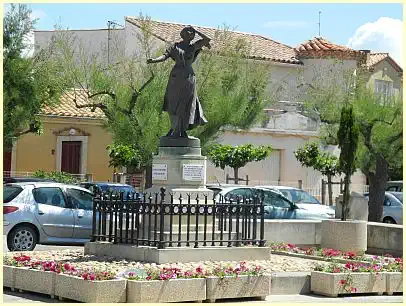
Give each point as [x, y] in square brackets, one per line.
[292, 71]
[74, 141]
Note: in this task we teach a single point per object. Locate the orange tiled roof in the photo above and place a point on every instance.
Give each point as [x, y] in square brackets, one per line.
[320, 47]
[67, 107]
[376, 58]
[261, 47]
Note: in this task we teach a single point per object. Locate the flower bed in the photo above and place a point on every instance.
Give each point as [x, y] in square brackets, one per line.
[10, 264]
[225, 282]
[91, 287]
[325, 254]
[355, 277]
[166, 284]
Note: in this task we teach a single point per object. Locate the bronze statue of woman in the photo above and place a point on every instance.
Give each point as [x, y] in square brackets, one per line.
[181, 100]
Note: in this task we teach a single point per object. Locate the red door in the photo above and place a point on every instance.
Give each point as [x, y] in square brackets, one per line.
[71, 156]
[6, 163]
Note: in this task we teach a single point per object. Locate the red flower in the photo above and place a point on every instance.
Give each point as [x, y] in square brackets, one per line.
[199, 269]
[91, 277]
[85, 276]
[353, 290]
[342, 282]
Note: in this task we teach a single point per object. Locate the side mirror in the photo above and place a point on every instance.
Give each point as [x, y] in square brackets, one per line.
[387, 203]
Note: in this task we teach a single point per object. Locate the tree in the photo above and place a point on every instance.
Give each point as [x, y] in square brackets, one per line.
[124, 156]
[29, 83]
[236, 157]
[347, 141]
[310, 156]
[379, 119]
[231, 89]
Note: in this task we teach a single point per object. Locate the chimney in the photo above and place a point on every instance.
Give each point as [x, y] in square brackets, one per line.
[365, 55]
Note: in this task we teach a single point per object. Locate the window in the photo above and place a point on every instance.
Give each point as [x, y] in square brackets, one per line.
[273, 199]
[384, 88]
[50, 196]
[240, 192]
[10, 193]
[300, 196]
[80, 199]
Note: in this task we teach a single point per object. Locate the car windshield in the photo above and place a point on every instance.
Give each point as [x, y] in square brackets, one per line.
[399, 196]
[299, 196]
[112, 188]
[10, 192]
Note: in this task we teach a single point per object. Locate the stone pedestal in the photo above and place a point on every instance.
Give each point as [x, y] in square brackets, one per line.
[180, 168]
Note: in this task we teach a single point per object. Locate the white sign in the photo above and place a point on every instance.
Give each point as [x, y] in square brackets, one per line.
[160, 172]
[193, 172]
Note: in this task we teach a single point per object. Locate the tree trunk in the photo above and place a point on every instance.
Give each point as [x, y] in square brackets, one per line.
[346, 197]
[377, 184]
[236, 176]
[148, 176]
[330, 190]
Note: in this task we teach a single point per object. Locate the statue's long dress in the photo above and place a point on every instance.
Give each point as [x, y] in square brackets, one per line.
[181, 101]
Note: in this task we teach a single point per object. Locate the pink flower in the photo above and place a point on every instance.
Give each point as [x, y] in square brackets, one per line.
[342, 282]
[336, 270]
[199, 269]
[85, 275]
[91, 277]
[353, 290]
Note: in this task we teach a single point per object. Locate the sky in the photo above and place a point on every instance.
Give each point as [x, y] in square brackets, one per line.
[375, 26]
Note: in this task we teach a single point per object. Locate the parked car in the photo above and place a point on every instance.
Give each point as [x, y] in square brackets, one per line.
[45, 213]
[394, 186]
[7, 180]
[296, 195]
[107, 187]
[216, 188]
[392, 207]
[277, 206]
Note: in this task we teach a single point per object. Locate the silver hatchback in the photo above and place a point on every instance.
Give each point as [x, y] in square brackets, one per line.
[46, 213]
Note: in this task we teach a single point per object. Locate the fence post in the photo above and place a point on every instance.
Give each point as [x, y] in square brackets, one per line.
[246, 179]
[262, 225]
[161, 243]
[93, 237]
[323, 191]
[300, 184]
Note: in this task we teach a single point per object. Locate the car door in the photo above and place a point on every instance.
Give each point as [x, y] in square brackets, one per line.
[277, 207]
[53, 212]
[82, 201]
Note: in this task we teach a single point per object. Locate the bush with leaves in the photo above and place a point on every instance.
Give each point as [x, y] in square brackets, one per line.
[311, 156]
[59, 177]
[236, 157]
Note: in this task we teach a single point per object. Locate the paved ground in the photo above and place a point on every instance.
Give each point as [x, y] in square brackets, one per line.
[27, 297]
[41, 247]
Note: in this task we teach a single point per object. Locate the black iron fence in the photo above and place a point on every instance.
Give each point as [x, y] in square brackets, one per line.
[189, 221]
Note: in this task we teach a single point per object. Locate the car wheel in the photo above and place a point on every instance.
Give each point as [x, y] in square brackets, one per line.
[389, 221]
[22, 238]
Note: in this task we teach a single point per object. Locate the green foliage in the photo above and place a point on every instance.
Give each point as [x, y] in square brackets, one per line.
[236, 157]
[60, 177]
[124, 156]
[29, 83]
[310, 156]
[347, 141]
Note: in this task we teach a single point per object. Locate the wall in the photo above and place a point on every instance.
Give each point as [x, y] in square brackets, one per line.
[385, 238]
[35, 152]
[382, 238]
[93, 42]
[385, 71]
[284, 142]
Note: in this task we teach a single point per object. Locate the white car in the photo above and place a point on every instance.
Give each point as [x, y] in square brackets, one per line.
[46, 213]
[392, 207]
[277, 206]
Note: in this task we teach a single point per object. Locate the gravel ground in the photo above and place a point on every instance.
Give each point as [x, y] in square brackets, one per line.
[277, 263]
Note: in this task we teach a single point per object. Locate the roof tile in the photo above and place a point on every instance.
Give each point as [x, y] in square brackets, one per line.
[67, 107]
[261, 47]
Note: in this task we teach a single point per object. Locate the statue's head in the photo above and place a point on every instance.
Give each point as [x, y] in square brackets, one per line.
[187, 33]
